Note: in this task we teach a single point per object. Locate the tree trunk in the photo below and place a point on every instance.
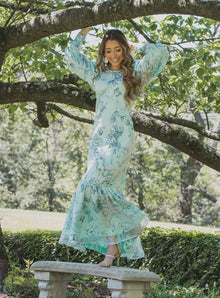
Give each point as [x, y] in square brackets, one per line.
[189, 171]
[141, 181]
[141, 199]
[51, 167]
[3, 260]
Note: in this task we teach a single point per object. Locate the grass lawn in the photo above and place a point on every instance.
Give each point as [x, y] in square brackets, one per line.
[19, 220]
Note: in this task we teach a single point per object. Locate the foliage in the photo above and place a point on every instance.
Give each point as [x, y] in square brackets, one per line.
[154, 181]
[21, 282]
[87, 286]
[161, 290]
[181, 258]
[191, 74]
[37, 166]
[151, 180]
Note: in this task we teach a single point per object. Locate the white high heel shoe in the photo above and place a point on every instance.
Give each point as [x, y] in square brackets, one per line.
[109, 264]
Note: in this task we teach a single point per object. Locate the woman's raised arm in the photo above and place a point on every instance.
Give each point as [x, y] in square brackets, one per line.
[77, 62]
[153, 61]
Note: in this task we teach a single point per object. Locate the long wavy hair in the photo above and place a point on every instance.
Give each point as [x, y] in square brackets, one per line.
[132, 83]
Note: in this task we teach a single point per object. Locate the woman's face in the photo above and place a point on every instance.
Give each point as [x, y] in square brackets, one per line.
[114, 54]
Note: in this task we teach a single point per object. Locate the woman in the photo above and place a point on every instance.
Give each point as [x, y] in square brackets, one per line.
[99, 217]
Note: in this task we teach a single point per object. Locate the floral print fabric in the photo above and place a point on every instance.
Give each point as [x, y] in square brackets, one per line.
[99, 214]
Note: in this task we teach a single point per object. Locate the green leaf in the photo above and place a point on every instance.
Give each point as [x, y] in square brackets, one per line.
[49, 57]
[200, 72]
[42, 67]
[153, 26]
[187, 62]
[13, 108]
[57, 74]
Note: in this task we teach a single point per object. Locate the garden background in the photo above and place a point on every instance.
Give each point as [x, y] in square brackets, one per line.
[46, 115]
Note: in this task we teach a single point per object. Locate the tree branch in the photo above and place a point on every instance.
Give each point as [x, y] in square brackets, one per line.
[52, 106]
[186, 123]
[30, 8]
[42, 120]
[75, 18]
[47, 92]
[177, 138]
[85, 99]
[69, 79]
[193, 188]
[137, 27]
[11, 15]
[26, 8]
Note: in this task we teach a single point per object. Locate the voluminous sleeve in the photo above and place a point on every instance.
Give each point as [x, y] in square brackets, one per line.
[77, 62]
[154, 60]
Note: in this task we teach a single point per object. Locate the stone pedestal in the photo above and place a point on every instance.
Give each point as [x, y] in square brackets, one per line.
[52, 284]
[128, 289]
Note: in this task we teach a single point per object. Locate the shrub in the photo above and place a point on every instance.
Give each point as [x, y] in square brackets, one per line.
[160, 290]
[180, 257]
[183, 258]
[21, 283]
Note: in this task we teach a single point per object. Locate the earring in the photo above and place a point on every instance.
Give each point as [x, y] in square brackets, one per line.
[105, 60]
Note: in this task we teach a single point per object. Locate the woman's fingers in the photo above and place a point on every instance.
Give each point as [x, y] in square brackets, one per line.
[84, 31]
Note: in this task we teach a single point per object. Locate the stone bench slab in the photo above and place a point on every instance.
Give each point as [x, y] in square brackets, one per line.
[113, 272]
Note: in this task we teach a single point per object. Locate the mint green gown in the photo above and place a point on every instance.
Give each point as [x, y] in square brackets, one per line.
[99, 214]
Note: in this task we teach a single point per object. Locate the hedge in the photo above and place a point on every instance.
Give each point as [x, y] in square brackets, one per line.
[180, 257]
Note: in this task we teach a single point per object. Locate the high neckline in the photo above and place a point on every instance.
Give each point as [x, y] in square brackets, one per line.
[113, 70]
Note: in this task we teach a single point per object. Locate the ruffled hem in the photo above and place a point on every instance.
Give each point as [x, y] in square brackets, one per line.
[131, 248]
[100, 216]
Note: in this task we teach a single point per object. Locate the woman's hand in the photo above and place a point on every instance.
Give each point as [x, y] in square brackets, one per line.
[84, 31]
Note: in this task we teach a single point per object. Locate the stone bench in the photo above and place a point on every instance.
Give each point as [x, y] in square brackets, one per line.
[53, 278]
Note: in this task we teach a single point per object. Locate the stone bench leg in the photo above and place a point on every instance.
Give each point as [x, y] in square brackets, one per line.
[52, 284]
[128, 289]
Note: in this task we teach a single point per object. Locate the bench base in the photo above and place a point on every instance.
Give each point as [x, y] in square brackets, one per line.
[128, 289]
[53, 278]
[52, 284]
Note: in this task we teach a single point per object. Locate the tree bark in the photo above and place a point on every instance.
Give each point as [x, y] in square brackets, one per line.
[75, 18]
[140, 179]
[3, 260]
[46, 92]
[189, 172]
[52, 167]
[177, 138]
